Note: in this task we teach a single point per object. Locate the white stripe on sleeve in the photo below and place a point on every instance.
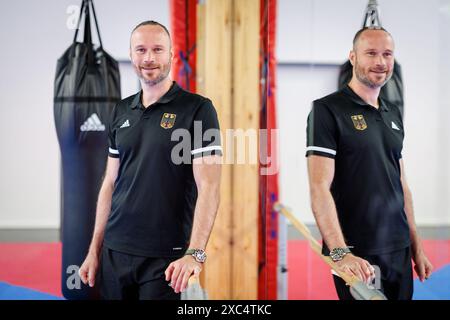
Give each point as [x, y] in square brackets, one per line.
[205, 149]
[113, 151]
[326, 150]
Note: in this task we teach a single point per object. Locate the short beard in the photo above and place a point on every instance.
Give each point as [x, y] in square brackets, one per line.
[158, 80]
[364, 80]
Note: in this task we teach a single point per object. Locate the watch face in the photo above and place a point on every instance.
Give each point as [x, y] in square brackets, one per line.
[200, 255]
[337, 254]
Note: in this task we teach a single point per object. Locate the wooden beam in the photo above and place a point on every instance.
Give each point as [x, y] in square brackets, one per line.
[214, 60]
[228, 74]
[246, 110]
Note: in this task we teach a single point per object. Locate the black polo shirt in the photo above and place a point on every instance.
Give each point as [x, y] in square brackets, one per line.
[366, 144]
[155, 193]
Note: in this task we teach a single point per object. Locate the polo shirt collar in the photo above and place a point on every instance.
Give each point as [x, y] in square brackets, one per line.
[357, 99]
[166, 98]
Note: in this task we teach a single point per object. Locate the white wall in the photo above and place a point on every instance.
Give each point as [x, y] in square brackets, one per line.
[33, 35]
[444, 103]
[321, 31]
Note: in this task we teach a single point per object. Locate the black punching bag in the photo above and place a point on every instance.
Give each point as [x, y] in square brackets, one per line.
[392, 91]
[87, 86]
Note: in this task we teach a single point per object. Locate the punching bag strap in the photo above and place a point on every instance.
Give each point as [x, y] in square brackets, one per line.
[79, 20]
[96, 24]
[72, 49]
[84, 6]
[88, 38]
[371, 16]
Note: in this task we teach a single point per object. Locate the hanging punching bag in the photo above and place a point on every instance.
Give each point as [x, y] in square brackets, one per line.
[86, 88]
[392, 91]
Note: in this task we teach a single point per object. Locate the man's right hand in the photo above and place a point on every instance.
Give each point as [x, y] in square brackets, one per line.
[357, 266]
[88, 269]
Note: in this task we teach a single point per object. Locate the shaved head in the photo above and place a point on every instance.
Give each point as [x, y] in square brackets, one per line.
[372, 57]
[151, 52]
[362, 32]
[153, 23]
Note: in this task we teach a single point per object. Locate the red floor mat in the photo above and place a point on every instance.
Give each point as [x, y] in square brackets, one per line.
[38, 266]
[32, 265]
[310, 278]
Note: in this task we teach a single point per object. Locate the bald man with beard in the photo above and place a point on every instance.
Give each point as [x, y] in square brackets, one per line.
[155, 213]
[359, 195]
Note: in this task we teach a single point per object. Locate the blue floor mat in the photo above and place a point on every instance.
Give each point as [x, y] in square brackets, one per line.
[437, 287]
[11, 292]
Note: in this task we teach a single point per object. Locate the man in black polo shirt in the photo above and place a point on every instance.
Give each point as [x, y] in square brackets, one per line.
[359, 195]
[147, 240]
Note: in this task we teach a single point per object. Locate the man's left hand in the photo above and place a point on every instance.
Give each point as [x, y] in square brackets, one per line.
[179, 272]
[422, 265]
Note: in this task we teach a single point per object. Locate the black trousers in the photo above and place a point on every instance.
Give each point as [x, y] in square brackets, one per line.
[128, 277]
[396, 276]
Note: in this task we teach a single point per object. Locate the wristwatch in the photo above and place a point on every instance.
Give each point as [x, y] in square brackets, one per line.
[198, 254]
[337, 254]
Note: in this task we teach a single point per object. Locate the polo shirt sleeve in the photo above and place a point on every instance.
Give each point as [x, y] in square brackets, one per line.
[400, 119]
[321, 132]
[205, 132]
[400, 155]
[113, 152]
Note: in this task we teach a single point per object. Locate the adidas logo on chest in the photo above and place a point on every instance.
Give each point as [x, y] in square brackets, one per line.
[126, 124]
[394, 126]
